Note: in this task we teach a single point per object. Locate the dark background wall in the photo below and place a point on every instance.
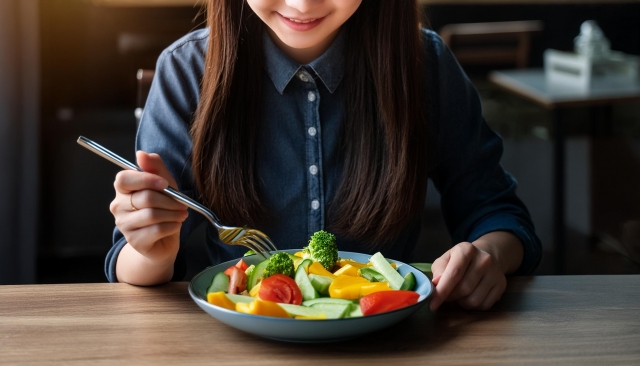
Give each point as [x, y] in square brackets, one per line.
[19, 124]
[89, 58]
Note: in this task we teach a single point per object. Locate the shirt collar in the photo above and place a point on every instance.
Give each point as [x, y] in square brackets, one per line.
[281, 69]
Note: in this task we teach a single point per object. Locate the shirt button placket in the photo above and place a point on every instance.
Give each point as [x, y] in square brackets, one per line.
[314, 151]
[303, 77]
[311, 96]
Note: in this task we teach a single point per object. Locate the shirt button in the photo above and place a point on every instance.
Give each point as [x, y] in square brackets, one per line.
[311, 96]
[313, 170]
[315, 204]
[303, 77]
[312, 131]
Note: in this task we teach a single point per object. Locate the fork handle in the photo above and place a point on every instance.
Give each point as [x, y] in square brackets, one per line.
[127, 165]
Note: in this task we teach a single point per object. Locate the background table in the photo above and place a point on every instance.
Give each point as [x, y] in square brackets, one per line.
[542, 320]
[531, 84]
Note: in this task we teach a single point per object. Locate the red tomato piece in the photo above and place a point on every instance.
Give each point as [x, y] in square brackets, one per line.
[229, 270]
[383, 301]
[242, 265]
[280, 288]
[237, 280]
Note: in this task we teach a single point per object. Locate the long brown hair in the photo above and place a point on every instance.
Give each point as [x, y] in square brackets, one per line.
[384, 137]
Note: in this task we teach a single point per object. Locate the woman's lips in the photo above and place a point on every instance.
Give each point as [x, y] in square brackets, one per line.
[301, 25]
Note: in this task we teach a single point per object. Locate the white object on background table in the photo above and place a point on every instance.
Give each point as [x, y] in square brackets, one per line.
[592, 62]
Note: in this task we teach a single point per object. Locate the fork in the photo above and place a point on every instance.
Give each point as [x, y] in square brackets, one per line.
[253, 239]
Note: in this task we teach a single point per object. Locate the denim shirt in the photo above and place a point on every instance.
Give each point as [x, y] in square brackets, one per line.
[300, 164]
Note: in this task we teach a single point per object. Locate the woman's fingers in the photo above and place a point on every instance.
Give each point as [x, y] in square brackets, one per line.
[148, 219]
[481, 264]
[152, 163]
[469, 282]
[460, 257]
[144, 239]
[156, 176]
[138, 200]
[154, 199]
[128, 181]
[440, 264]
[141, 218]
[479, 293]
[494, 295]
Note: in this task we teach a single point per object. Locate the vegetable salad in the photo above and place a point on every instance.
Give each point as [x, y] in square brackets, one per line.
[313, 284]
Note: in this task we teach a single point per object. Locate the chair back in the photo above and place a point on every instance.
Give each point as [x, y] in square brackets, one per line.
[145, 78]
[491, 44]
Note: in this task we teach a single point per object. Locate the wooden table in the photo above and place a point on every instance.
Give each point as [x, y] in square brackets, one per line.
[531, 84]
[147, 3]
[571, 320]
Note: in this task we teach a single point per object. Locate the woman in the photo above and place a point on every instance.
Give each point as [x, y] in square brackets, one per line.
[292, 116]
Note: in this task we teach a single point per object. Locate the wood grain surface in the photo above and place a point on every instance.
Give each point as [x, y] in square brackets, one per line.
[151, 3]
[565, 320]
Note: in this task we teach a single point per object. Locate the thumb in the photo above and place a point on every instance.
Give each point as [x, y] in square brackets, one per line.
[152, 163]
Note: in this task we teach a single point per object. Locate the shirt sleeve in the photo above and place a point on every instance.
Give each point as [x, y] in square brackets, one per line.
[164, 130]
[477, 195]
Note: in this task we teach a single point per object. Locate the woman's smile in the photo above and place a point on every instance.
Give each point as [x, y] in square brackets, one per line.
[299, 24]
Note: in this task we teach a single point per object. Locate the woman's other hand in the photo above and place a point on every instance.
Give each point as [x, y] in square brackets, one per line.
[473, 274]
[148, 219]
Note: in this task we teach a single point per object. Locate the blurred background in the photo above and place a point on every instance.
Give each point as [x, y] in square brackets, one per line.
[71, 67]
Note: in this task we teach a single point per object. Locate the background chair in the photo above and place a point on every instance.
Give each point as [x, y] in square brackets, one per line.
[490, 44]
[144, 80]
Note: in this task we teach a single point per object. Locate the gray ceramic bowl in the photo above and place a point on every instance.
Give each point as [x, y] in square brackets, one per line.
[297, 330]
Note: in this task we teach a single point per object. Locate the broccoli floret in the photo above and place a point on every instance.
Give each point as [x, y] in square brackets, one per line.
[279, 263]
[322, 248]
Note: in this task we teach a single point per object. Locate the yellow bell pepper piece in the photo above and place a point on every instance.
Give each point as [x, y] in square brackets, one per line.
[347, 287]
[260, 307]
[374, 287]
[349, 292]
[353, 288]
[242, 307]
[317, 268]
[220, 299]
[298, 254]
[344, 262]
[347, 270]
[255, 290]
[344, 281]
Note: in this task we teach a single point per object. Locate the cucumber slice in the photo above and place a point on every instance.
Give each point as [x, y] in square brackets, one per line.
[305, 263]
[327, 300]
[409, 282]
[381, 265]
[320, 283]
[425, 268]
[256, 274]
[297, 310]
[355, 311]
[220, 282]
[333, 311]
[240, 298]
[302, 280]
[371, 275]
